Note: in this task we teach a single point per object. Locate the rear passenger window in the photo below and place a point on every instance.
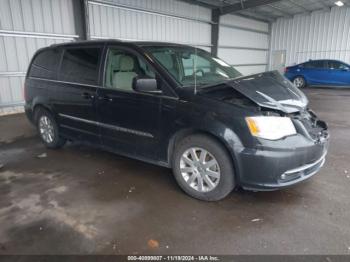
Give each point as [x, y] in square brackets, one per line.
[80, 65]
[315, 64]
[45, 64]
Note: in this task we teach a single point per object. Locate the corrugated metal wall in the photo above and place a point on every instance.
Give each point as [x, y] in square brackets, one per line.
[244, 43]
[156, 20]
[25, 26]
[319, 35]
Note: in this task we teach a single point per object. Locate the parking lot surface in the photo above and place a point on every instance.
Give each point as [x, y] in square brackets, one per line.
[81, 200]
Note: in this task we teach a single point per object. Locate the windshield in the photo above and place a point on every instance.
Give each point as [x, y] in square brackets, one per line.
[192, 66]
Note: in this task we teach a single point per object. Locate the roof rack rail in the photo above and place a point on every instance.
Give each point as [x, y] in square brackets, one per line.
[90, 40]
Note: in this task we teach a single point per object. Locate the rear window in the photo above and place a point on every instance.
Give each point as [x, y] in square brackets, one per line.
[80, 65]
[315, 64]
[45, 64]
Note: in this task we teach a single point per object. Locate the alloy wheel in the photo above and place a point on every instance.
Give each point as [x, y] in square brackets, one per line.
[298, 82]
[200, 169]
[46, 129]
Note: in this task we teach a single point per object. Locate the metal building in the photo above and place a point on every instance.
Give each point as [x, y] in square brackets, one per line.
[321, 34]
[252, 35]
[26, 26]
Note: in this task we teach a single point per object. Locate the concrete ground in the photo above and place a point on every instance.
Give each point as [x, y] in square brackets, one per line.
[81, 200]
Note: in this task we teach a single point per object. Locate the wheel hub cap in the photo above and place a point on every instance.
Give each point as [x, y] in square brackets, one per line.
[298, 82]
[200, 169]
[46, 129]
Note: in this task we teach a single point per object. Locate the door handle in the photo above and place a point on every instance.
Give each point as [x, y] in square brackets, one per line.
[105, 98]
[87, 95]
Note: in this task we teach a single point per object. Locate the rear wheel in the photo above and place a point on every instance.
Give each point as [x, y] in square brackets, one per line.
[48, 129]
[299, 82]
[203, 168]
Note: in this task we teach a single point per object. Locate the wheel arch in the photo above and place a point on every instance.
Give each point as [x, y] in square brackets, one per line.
[181, 134]
[41, 102]
[302, 76]
[36, 108]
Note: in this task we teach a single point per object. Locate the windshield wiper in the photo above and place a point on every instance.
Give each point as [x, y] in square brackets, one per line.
[220, 83]
[215, 84]
[205, 85]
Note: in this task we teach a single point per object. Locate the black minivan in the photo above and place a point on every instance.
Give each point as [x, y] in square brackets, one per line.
[177, 106]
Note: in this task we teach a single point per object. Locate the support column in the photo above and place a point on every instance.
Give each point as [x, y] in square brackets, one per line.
[80, 18]
[215, 18]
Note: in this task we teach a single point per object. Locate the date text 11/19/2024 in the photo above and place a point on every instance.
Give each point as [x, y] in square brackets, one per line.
[174, 258]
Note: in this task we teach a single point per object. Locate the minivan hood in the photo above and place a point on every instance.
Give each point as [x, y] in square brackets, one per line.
[271, 90]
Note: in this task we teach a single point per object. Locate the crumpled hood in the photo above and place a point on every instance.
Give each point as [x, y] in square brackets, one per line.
[271, 90]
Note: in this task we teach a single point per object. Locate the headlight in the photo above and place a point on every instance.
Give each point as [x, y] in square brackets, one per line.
[270, 127]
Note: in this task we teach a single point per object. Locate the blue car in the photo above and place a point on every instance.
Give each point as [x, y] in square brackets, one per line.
[319, 73]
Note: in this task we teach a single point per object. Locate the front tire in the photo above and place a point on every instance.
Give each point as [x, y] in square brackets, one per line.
[203, 168]
[299, 82]
[48, 129]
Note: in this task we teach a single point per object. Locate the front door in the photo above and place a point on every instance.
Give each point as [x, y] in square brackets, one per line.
[129, 121]
[339, 73]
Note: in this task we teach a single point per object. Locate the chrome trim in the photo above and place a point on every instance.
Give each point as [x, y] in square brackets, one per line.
[62, 82]
[79, 119]
[126, 130]
[79, 130]
[307, 166]
[113, 127]
[153, 12]
[119, 90]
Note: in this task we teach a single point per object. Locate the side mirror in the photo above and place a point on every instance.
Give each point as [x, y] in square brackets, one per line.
[146, 85]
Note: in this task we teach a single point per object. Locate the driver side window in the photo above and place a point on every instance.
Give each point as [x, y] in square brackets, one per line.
[202, 65]
[337, 65]
[122, 67]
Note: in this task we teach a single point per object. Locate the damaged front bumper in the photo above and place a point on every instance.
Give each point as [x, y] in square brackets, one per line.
[273, 165]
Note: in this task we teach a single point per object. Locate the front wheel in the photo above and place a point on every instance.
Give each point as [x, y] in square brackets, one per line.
[203, 168]
[48, 129]
[299, 82]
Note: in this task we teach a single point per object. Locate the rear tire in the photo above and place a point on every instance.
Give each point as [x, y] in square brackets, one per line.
[203, 168]
[299, 82]
[48, 129]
